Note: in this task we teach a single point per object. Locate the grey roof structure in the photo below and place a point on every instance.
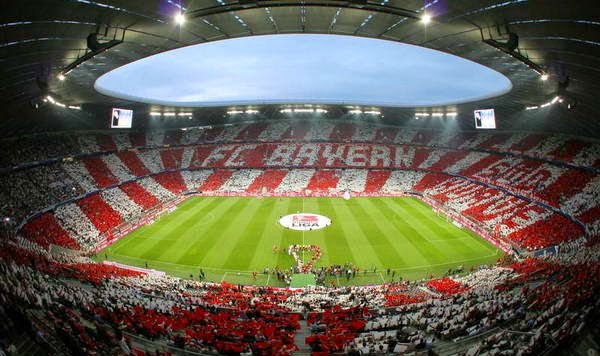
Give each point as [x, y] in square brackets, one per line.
[40, 38]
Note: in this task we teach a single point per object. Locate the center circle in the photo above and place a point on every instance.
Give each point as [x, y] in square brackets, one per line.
[304, 221]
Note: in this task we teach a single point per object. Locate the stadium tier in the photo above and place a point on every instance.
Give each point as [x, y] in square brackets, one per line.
[513, 190]
[313, 177]
[526, 200]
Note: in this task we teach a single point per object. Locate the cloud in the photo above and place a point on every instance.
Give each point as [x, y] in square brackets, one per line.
[303, 67]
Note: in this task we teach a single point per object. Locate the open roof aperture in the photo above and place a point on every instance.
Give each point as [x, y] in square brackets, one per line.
[303, 68]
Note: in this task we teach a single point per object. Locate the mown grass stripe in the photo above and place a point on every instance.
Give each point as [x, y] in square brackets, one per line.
[271, 236]
[410, 254]
[362, 246]
[471, 244]
[246, 247]
[206, 236]
[428, 250]
[149, 237]
[336, 248]
[172, 239]
[447, 236]
[227, 230]
[236, 235]
[378, 231]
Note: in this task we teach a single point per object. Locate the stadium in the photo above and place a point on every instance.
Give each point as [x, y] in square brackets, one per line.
[267, 177]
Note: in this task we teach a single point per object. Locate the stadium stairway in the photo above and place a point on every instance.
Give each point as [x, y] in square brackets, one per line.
[300, 340]
[26, 346]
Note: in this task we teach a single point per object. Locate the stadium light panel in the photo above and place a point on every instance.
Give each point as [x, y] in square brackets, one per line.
[355, 112]
[544, 76]
[61, 77]
[251, 112]
[373, 112]
[304, 110]
[169, 114]
[426, 19]
[155, 113]
[179, 19]
[437, 114]
[234, 112]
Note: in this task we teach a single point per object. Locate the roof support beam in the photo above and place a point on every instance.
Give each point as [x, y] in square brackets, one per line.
[241, 5]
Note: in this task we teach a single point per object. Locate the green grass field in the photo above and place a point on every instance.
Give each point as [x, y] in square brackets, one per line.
[229, 238]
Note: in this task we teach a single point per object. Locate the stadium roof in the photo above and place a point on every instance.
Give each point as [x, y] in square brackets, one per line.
[41, 38]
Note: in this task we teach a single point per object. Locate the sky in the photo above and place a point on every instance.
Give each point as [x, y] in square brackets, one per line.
[303, 69]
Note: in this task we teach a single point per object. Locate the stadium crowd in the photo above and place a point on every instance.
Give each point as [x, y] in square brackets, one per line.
[94, 183]
[544, 300]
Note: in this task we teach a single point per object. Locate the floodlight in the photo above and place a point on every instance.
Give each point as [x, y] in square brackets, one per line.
[179, 19]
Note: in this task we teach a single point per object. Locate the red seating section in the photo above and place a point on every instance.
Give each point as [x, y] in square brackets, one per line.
[172, 158]
[527, 143]
[568, 150]
[547, 232]
[173, 181]
[216, 180]
[341, 326]
[568, 184]
[323, 180]
[376, 180]
[227, 331]
[447, 160]
[131, 160]
[269, 180]
[495, 140]
[446, 286]
[45, 230]
[99, 212]
[139, 195]
[97, 272]
[480, 165]
[99, 171]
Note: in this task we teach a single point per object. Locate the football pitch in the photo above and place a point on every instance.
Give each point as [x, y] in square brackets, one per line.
[229, 238]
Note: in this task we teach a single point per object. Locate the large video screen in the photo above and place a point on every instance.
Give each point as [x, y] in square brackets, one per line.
[485, 119]
[121, 118]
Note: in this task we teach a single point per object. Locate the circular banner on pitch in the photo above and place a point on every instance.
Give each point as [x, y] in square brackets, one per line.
[304, 221]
